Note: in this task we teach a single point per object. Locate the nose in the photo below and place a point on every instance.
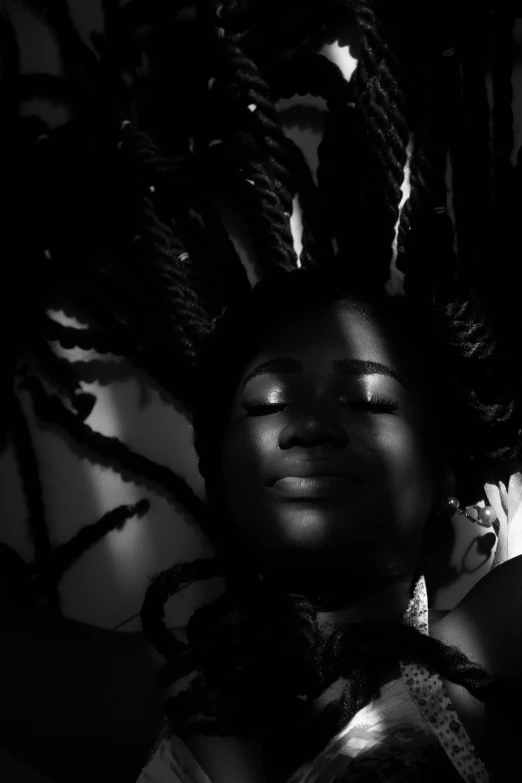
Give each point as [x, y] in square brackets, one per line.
[312, 429]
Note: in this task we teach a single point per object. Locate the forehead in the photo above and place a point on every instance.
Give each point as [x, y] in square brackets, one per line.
[320, 336]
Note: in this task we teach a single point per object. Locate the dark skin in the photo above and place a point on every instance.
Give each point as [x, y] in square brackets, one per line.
[357, 542]
[354, 546]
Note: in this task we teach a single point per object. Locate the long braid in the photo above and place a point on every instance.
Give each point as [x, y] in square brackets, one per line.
[361, 653]
[268, 223]
[288, 169]
[343, 129]
[426, 235]
[220, 651]
[316, 75]
[179, 656]
[373, 646]
[80, 67]
[292, 170]
[62, 557]
[316, 240]
[221, 260]
[503, 50]
[86, 339]
[379, 94]
[320, 77]
[470, 338]
[60, 372]
[351, 150]
[310, 74]
[503, 240]
[166, 279]
[344, 153]
[383, 106]
[178, 183]
[114, 453]
[283, 654]
[182, 305]
[470, 152]
[113, 339]
[32, 485]
[161, 326]
[267, 190]
[174, 279]
[118, 290]
[247, 79]
[128, 341]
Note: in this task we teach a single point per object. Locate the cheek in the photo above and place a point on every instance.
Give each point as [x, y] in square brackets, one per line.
[387, 517]
[406, 483]
[242, 466]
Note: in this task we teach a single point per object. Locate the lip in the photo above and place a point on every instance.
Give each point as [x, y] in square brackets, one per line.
[299, 487]
[314, 469]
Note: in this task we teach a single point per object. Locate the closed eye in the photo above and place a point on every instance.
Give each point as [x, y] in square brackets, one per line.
[381, 404]
[260, 408]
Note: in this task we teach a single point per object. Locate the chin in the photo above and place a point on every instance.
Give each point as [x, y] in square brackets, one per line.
[326, 533]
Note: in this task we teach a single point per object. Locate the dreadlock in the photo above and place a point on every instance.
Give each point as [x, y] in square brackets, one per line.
[64, 555]
[502, 241]
[379, 93]
[471, 154]
[267, 159]
[112, 451]
[503, 22]
[30, 474]
[426, 233]
[261, 184]
[278, 649]
[122, 206]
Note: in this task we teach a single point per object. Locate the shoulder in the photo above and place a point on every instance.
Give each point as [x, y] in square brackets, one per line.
[486, 624]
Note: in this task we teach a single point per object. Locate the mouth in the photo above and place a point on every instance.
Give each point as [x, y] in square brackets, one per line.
[313, 487]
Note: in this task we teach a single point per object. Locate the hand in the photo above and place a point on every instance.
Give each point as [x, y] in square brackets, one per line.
[507, 504]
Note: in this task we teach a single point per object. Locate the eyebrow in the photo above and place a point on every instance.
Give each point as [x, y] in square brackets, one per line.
[341, 367]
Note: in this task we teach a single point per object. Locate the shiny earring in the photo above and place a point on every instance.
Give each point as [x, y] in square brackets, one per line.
[485, 515]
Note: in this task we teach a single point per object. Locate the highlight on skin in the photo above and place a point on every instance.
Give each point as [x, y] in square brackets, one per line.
[307, 623]
[366, 424]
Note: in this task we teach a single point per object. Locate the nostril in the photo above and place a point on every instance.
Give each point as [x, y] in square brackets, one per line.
[312, 431]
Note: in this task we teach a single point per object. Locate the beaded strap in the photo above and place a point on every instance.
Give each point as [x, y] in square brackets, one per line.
[433, 702]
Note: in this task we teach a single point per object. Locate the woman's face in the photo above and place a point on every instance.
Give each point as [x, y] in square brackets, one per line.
[325, 463]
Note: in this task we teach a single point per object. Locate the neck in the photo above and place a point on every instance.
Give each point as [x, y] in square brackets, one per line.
[386, 602]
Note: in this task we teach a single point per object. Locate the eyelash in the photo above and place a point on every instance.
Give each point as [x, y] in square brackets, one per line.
[382, 404]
